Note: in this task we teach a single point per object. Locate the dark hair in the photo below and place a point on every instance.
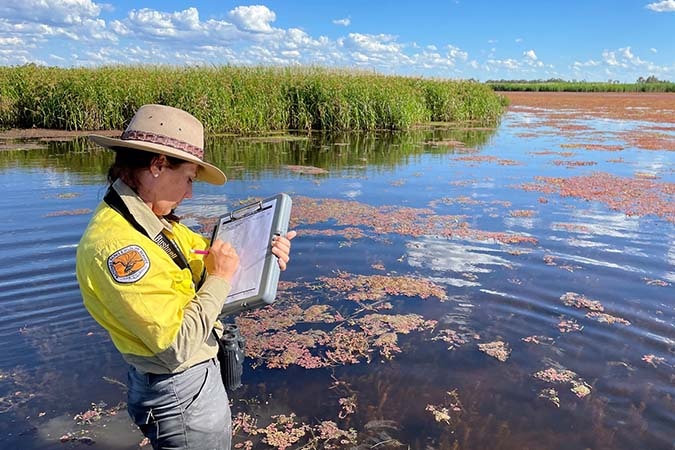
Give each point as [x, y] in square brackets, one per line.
[128, 165]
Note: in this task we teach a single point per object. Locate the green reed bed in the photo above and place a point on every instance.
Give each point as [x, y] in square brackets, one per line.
[239, 99]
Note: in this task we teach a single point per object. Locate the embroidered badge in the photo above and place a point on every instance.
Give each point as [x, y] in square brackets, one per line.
[128, 264]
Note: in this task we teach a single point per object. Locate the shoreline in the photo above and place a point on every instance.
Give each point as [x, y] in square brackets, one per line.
[658, 107]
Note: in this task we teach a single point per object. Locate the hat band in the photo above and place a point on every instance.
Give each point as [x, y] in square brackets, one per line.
[154, 138]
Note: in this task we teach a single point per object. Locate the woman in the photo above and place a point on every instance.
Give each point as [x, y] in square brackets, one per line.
[158, 300]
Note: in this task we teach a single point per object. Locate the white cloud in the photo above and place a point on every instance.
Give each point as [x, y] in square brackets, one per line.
[589, 63]
[664, 6]
[343, 22]
[54, 12]
[457, 53]
[621, 63]
[653, 50]
[611, 59]
[10, 41]
[510, 63]
[530, 54]
[373, 44]
[147, 21]
[256, 18]
[623, 57]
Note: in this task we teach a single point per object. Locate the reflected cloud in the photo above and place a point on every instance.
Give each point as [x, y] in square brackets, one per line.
[596, 262]
[444, 255]
[519, 222]
[491, 292]
[670, 258]
[606, 223]
[456, 282]
[354, 190]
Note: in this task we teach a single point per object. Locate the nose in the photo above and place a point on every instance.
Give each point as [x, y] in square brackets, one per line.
[188, 192]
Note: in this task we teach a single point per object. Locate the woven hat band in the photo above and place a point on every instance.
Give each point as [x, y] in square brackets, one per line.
[154, 138]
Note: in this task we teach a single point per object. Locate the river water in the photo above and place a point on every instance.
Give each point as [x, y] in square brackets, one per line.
[503, 288]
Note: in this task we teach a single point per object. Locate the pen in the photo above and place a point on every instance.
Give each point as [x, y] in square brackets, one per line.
[199, 252]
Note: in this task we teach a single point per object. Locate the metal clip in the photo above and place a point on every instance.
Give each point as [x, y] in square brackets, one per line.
[246, 210]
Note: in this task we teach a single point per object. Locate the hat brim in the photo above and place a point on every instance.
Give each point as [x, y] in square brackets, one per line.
[207, 172]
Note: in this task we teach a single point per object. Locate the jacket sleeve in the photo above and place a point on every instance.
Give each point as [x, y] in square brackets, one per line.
[159, 313]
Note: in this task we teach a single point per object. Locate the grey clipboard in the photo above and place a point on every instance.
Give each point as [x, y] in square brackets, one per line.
[250, 230]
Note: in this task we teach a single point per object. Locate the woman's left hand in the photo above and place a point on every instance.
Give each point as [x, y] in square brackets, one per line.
[281, 247]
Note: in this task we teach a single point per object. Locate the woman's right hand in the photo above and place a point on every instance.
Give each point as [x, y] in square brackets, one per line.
[222, 260]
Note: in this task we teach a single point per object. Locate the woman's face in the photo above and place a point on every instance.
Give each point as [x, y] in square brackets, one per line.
[171, 186]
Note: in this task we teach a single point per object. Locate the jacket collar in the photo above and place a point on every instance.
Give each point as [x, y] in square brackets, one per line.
[152, 224]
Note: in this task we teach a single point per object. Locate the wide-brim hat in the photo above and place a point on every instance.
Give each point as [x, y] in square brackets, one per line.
[167, 131]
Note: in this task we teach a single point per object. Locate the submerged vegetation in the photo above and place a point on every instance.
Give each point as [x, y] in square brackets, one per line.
[239, 99]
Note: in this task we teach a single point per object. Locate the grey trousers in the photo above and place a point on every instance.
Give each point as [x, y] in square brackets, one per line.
[186, 410]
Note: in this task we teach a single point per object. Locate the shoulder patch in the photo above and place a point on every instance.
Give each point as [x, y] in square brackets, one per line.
[128, 264]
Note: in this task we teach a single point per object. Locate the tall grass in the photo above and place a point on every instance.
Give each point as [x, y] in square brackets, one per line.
[231, 99]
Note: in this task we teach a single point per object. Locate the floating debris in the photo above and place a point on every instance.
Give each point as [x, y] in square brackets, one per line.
[633, 196]
[334, 437]
[607, 318]
[100, 415]
[449, 411]
[569, 326]
[580, 388]
[553, 375]
[376, 287]
[522, 213]
[68, 195]
[384, 220]
[305, 170]
[562, 376]
[283, 432]
[551, 395]
[69, 212]
[571, 227]
[347, 405]
[653, 360]
[497, 349]
[450, 337]
[95, 413]
[550, 260]
[271, 341]
[656, 282]
[580, 301]
[538, 340]
[559, 162]
[595, 311]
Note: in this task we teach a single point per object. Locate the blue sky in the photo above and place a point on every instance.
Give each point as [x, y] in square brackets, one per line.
[460, 39]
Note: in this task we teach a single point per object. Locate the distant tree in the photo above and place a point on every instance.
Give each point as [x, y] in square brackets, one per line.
[649, 79]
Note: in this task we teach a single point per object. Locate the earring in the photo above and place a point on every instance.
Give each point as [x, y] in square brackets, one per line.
[155, 175]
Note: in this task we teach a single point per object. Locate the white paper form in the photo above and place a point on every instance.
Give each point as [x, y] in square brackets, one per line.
[250, 236]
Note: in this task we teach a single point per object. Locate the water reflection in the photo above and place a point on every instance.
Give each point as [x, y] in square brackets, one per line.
[399, 210]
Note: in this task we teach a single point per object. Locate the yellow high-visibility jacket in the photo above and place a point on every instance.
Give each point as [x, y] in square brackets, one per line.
[132, 287]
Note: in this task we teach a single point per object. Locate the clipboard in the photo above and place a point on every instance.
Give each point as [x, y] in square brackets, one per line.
[250, 230]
